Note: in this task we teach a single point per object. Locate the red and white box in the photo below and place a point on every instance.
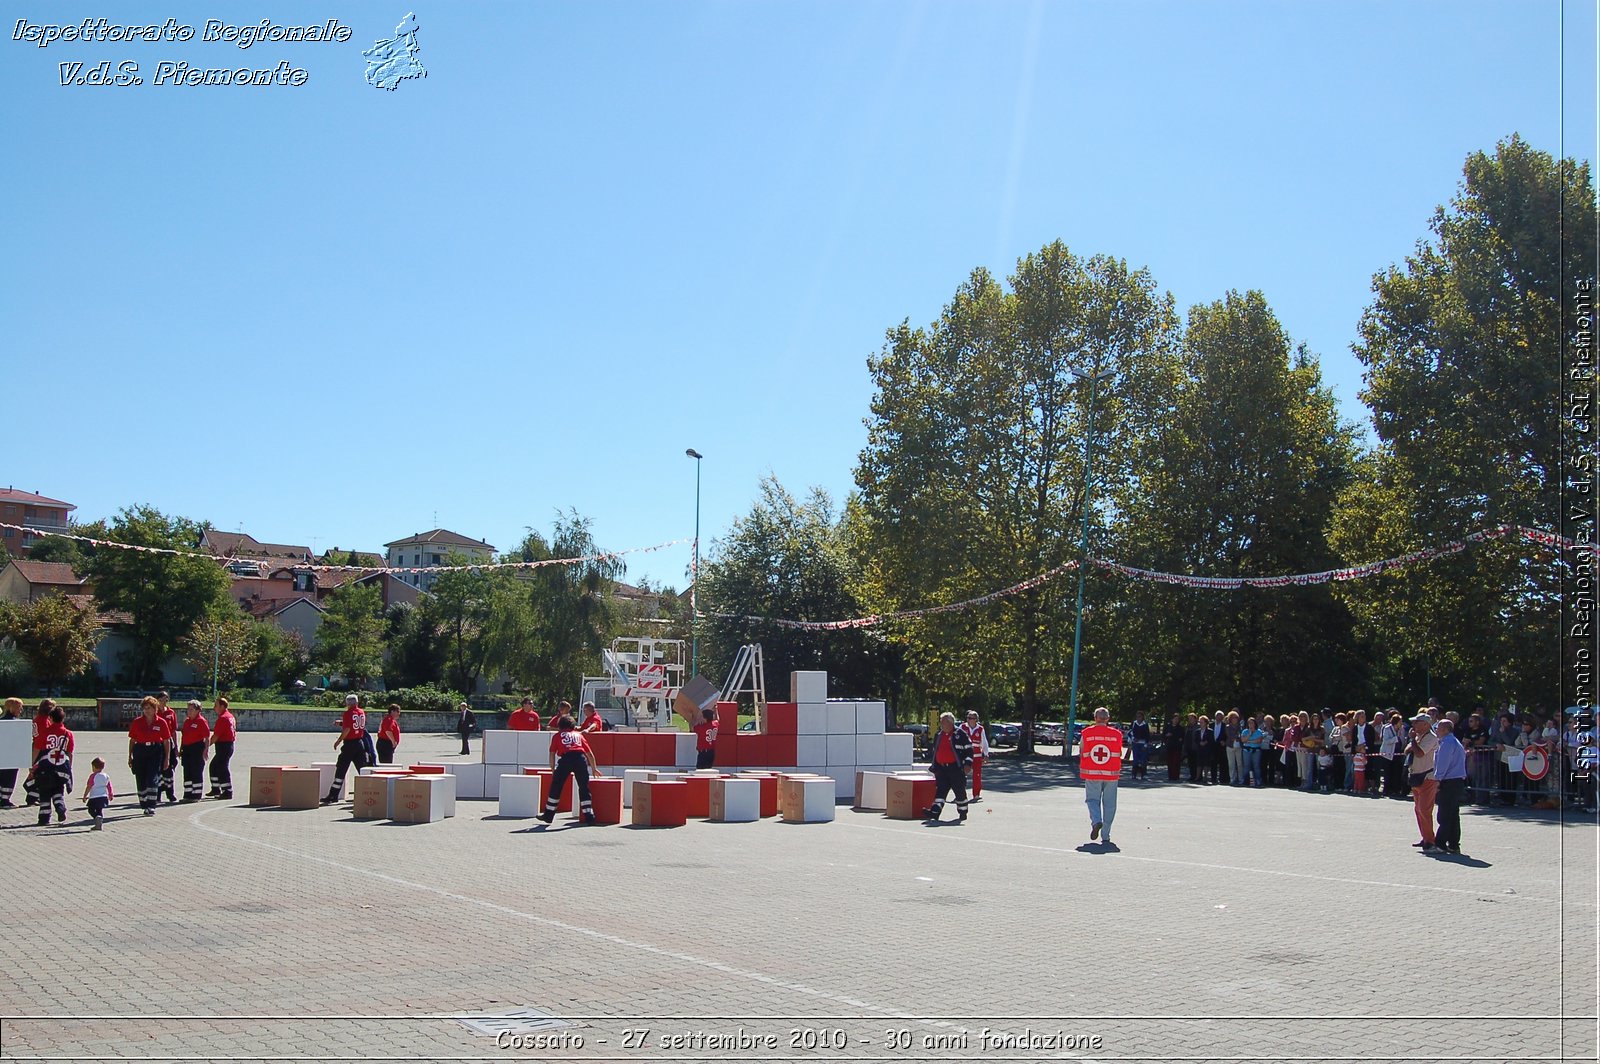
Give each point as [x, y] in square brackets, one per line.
[908, 795]
[735, 801]
[806, 800]
[424, 799]
[660, 803]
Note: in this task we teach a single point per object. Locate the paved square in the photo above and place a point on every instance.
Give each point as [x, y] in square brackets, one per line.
[1232, 924]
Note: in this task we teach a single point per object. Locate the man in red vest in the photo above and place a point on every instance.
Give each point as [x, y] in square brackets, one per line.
[1100, 765]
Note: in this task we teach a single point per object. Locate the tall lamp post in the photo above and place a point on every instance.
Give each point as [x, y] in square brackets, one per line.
[1083, 553]
[694, 573]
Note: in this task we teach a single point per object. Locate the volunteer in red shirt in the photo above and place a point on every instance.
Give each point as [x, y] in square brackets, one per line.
[388, 735]
[952, 753]
[149, 741]
[193, 738]
[705, 739]
[980, 751]
[351, 745]
[167, 714]
[592, 721]
[570, 756]
[1100, 765]
[524, 717]
[41, 728]
[223, 734]
[52, 770]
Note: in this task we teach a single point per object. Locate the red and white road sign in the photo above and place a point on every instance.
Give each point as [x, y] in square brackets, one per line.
[1534, 763]
[652, 678]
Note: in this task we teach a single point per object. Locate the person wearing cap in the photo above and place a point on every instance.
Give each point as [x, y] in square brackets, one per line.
[524, 717]
[1450, 775]
[979, 738]
[592, 721]
[193, 736]
[1100, 765]
[464, 725]
[351, 744]
[1422, 746]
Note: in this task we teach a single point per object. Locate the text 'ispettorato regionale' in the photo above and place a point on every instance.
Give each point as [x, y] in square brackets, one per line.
[109, 72]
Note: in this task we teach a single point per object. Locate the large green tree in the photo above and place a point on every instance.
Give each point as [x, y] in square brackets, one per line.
[973, 474]
[56, 637]
[226, 641]
[416, 646]
[163, 595]
[789, 558]
[1241, 481]
[463, 606]
[1462, 347]
[350, 637]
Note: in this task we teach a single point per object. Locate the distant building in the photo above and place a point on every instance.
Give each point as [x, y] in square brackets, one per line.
[33, 511]
[23, 581]
[247, 556]
[429, 549]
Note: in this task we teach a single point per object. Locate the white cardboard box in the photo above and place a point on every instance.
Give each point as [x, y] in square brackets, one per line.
[519, 795]
[811, 751]
[16, 744]
[735, 801]
[491, 779]
[871, 718]
[533, 747]
[842, 750]
[897, 749]
[811, 718]
[869, 749]
[630, 776]
[424, 799]
[685, 752]
[500, 747]
[469, 780]
[808, 801]
[841, 718]
[872, 790]
[808, 687]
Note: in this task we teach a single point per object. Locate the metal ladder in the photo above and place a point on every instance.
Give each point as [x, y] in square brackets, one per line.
[748, 676]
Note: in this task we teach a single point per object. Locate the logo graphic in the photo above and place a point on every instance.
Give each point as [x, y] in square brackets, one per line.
[393, 61]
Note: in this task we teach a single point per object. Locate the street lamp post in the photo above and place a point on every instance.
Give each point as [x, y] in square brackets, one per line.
[1083, 554]
[694, 573]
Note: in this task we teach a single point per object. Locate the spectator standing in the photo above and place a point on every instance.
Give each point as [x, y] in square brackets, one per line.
[1100, 767]
[8, 776]
[1217, 761]
[193, 741]
[1172, 742]
[1271, 755]
[1450, 776]
[1233, 748]
[1506, 734]
[224, 733]
[1421, 747]
[1254, 739]
[464, 725]
[1197, 745]
[389, 734]
[1310, 743]
[1139, 742]
[524, 717]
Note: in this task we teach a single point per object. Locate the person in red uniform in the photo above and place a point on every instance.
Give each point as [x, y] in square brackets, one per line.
[524, 717]
[41, 728]
[592, 721]
[388, 735]
[705, 739]
[1100, 765]
[980, 751]
[52, 770]
[952, 753]
[223, 734]
[570, 756]
[193, 738]
[351, 745]
[149, 744]
[167, 714]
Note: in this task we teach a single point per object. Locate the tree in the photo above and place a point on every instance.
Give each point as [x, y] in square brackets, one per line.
[162, 594]
[1462, 346]
[284, 654]
[973, 474]
[1241, 482]
[55, 636]
[57, 549]
[225, 640]
[350, 638]
[788, 559]
[416, 646]
[463, 597]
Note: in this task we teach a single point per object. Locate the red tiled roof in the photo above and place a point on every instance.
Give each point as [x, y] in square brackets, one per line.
[443, 537]
[28, 497]
[53, 573]
[244, 545]
[87, 602]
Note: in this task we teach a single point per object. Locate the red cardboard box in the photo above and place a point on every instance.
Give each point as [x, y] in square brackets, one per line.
[752, 750]
[660, 749]
[604, 745]
[660, 803]
[427, 770]
[566, 805]
[606, 793]
[698, 802]
[727, 718]
[782, 718]
[782, 750]
[628, 749]
[730, 750]
[769, 791]
[909, 796]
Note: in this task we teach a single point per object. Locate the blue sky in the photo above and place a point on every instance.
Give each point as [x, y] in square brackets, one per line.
[599, 233]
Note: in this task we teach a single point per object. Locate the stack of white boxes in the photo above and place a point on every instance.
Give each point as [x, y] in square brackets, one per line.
[832, 738]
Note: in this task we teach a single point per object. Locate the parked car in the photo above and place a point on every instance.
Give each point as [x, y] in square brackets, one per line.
[1004, 734]
[1049, 734]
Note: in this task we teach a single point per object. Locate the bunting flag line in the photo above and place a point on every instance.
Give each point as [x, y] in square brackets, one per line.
[306, 567]
[1210, 583]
